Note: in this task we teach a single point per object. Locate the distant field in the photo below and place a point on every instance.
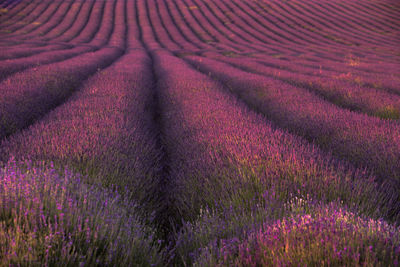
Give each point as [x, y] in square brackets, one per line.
[199, 133]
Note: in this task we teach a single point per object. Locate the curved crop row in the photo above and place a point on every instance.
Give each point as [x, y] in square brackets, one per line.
[19, 52]
[104, 130]
[28, 95]
[338, 91]
[16, 14]
[16, 65]
[100, 38]
[225, 158]
[385, 112]
[46, 46]
[79, 22]
[363, 140]
[195, 132]
[45, 26]
[349, 70]
[94, 23]
[26, 19]
[43, 18]
[67, 21]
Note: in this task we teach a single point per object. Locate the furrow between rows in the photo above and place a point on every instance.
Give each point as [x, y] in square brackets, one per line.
[27, 18]
[336, 90]
[342, 132]
[43, 18]
[224, 158]
[28, 95]
[18, 12]
[104, 133]
[47, 25]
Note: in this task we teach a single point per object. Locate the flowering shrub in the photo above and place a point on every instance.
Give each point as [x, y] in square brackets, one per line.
[52, 218]
[329, 236]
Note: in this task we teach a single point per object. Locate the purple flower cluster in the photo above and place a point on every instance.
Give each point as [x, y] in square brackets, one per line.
[361, 139]
[103, 130]
[233, 169]
[53, 218]
[328, 236]
[204, 133]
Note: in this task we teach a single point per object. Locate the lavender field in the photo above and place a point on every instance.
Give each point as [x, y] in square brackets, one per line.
[199, 133]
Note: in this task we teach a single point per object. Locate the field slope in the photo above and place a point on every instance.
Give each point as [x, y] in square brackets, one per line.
[199, 133]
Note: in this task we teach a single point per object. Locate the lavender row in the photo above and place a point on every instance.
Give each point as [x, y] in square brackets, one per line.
[391, 106]
[275, 9]
[366, 25]
[343, 63]
[328, 234]
[53, 218]
[231, 166]
[18, 13]
[95, 23]
[45, 25]
[28, 20]
[184, 30]
[220, 35]
[103, 131]
[18, 52]
[238, 29]
[280, 27]
[370, 101]
[247, 22]
[101, 37]
[88, 34]
[355, 137]
[278, 36]
[79, 23]
[351, 68]
[221, 45]
[187, 33]
[281, 18]
[196, 24]
[119, 27]
[42, 17]
[133, 29]
[333, 28]
[168, 37]
[340, 26]
[214, 34]
[99, 29]
[207, 43]
[378, 13]
[68, 21]
[273, 14]
[28, 95]
[8, 4]
[188, 22]
[17, 65]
